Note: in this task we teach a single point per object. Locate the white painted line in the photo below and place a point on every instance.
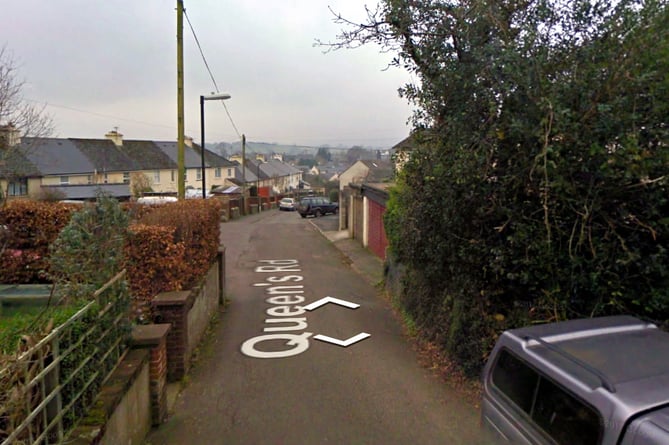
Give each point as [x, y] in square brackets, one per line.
[343, 343]
[326, 300]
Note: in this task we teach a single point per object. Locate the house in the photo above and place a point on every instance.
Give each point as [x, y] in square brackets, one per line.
[363, 193]
[275, 175]
[77, 168]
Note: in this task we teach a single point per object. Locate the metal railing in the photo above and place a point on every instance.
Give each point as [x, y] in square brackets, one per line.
[54, 382]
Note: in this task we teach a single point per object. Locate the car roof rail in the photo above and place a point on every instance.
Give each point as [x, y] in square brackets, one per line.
[606, 383]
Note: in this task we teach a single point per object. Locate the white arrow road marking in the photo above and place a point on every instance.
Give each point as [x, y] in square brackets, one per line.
[326, 300]
[343, 343]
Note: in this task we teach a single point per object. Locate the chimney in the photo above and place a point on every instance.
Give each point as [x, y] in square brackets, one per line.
[188, 141]
[115, 136]
[10, 136]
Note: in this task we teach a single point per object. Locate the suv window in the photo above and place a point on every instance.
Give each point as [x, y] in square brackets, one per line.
[562, 416]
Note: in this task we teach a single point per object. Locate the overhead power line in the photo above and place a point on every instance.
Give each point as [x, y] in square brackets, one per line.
[213, 80]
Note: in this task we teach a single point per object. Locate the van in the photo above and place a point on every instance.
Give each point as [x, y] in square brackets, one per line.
[580, 382]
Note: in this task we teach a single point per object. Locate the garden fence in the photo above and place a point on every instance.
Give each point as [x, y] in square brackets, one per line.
[54, 382]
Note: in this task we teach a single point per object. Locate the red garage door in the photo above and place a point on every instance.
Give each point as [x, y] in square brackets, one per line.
[377, 234]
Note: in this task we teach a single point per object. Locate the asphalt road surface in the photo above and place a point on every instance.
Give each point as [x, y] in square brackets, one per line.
[272, 373]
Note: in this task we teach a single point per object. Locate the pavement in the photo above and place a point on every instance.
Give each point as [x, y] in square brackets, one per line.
[361, 260]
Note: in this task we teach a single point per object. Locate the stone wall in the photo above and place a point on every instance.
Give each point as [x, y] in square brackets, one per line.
[122, 412]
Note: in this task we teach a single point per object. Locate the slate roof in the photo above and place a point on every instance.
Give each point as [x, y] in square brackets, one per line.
[147, 155]
[192, 155]
[88, 191]
[53, 156]
[105, 155]
[379, 171]
[14, 163]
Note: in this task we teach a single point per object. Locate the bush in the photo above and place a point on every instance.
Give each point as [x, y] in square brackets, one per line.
[171, 247]
[89, 250]
[540, 192]
[32, 226]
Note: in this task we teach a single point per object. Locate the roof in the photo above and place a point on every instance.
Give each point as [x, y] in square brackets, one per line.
[379, 171]
[53, 156]
[14, 163]
[193, 155]
[147, 155]
[88, 191]
[105, 155]
[631, 355]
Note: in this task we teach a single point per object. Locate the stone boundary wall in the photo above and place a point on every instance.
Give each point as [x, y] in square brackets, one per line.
[122, 412]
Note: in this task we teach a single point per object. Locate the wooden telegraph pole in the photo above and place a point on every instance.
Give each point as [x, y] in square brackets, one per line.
[181, 174]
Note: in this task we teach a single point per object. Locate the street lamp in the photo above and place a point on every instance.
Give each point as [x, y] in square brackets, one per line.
[212, 96]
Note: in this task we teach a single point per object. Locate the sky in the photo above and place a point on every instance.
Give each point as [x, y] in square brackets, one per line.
[101, 65]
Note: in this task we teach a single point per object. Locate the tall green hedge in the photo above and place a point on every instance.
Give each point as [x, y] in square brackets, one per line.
[538, 189]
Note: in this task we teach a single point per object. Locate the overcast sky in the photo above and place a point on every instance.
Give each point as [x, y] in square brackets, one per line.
[104, 64]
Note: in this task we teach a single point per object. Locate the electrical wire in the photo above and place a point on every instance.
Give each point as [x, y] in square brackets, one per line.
[93, 113]
[213, 80]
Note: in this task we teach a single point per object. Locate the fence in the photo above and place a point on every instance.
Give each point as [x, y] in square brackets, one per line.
[53, 383]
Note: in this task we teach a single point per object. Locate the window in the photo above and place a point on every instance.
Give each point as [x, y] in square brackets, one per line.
[172, 175]
[89, 179]
[106, 179]
[229, 173]
[217, 172]
[18, 187]
[126, 177]
[156, 176]
[559, 414]
[198, 174]
[64, 180]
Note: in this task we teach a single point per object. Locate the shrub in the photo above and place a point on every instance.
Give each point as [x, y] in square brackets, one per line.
[31, 227]
[89, 250]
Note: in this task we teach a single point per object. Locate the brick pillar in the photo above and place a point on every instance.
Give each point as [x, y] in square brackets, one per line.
[172, 308]
[154, 338]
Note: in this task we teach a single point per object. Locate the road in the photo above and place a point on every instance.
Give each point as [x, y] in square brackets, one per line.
[270, 374]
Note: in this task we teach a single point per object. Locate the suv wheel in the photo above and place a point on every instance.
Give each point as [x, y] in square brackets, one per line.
[318, 213]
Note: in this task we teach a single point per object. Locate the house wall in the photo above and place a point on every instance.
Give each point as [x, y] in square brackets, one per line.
[354, 174]
[72, 179]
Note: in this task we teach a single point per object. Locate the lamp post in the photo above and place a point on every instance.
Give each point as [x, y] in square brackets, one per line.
[220, 96]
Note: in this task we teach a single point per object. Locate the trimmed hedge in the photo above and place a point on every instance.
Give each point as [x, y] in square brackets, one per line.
[169, 247]
[31, 227]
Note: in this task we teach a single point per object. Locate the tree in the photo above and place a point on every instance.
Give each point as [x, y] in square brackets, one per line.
[356, 153]
[323, 155]
[140, 184]
[19, 118]
[538, 187]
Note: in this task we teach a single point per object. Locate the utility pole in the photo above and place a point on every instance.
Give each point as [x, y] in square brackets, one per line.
[181, 174]
[244, 173]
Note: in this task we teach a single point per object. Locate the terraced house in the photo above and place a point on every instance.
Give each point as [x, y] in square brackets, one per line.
[77, 168]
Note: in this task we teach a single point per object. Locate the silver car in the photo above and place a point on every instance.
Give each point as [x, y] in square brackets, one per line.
[287, 204]
[591, 381]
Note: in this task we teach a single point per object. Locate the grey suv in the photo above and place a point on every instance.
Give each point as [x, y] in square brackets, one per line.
[591, 381]
[316, 206]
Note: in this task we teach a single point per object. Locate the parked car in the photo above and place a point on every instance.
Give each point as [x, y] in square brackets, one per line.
[598, 381]
[316, 206]
[287, 204]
